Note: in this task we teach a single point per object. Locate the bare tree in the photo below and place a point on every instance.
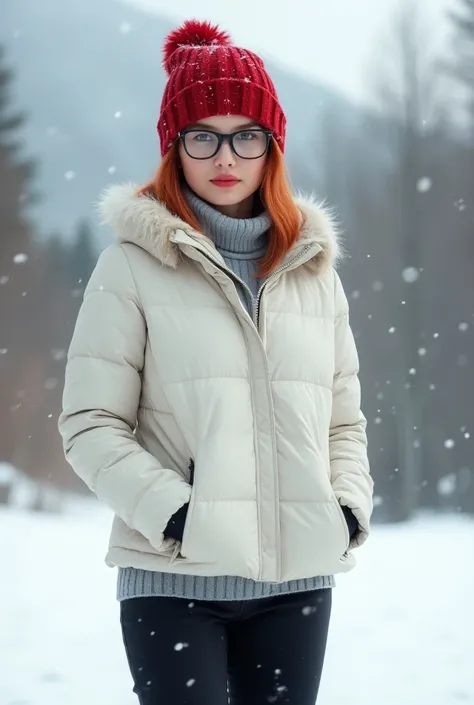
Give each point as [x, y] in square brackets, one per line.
[18, 258]
[462, 19]
[406, 91]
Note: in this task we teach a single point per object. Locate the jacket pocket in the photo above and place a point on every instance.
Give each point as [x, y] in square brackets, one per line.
[343, 522]
[185, 539]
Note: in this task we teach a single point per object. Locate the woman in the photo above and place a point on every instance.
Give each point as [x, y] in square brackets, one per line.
[212, 399]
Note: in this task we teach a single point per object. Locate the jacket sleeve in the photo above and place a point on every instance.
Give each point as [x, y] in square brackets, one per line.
[350, 476]
[100, 401]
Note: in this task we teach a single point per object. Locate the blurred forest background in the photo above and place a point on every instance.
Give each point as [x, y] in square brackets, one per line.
[76, 115]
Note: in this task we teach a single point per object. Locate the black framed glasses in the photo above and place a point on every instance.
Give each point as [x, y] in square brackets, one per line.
[246, 144]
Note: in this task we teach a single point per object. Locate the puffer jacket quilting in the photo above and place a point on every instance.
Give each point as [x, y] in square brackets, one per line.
[166, 365]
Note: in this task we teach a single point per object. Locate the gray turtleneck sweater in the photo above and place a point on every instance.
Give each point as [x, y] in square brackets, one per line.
[242, 243]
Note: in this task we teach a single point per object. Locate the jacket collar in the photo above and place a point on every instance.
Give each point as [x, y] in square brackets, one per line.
[146, 222]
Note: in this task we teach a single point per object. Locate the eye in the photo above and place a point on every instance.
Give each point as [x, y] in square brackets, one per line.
[248, 136]
[203, 136]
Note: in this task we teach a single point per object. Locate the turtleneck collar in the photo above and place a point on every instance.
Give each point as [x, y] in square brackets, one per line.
[244, 238]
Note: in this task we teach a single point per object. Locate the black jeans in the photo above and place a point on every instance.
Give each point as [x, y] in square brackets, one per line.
[255, 652]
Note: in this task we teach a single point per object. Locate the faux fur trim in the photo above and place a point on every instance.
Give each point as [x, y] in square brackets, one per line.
[320, 225]
[146, 222]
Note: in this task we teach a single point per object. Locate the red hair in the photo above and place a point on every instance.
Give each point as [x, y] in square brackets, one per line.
[275, 195]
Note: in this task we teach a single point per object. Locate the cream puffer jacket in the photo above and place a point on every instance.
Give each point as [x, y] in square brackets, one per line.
[166, 365]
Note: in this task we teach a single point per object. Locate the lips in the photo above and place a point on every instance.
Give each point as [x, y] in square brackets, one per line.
[225, 180]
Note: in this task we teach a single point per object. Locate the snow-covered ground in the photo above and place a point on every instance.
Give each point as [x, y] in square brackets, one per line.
[402, 629]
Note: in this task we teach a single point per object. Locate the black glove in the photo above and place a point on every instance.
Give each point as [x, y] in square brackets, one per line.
[351, 521]
[175, 527]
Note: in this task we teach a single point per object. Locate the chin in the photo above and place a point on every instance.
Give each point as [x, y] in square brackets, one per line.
[226, 197]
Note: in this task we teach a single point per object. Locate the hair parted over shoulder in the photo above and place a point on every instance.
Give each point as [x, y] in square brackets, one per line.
[275, 195]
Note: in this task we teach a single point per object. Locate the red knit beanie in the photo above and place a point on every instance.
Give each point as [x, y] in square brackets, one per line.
[210, 76]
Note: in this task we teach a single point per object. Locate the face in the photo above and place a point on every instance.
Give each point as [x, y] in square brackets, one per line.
[233, 198]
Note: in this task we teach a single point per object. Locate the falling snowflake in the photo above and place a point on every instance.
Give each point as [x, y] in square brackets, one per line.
[467, 435]
[4, 280]
[449, 443]
[377, 286]
[118, 114]
[70, 175]
[410, 275]
[190, 682]
[3, 351]
[377, 500]
[180, 646]
[112, 169]
[377, 420]
[424, 184]
[355, 294]
[422, 352]
[125, 28]
[392, 329]
[460, 205]
[435, 335]
[308, 610]
[463, 327]
[432, 387]
[20, 258]
[412, 371]
[58, 354]
[447, 485]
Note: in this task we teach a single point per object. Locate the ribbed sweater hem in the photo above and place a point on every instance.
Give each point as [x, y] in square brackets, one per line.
[133, 582]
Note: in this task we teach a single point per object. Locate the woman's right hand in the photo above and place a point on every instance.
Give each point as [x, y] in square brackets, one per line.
[175, 527]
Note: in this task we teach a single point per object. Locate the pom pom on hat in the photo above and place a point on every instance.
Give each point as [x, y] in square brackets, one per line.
[192, 33]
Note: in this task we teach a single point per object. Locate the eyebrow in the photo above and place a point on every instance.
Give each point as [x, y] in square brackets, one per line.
[206, 126]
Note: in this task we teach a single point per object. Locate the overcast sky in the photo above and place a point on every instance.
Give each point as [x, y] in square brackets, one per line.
[331, 40]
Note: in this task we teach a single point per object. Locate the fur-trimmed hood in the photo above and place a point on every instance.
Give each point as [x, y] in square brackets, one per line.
[146, 222]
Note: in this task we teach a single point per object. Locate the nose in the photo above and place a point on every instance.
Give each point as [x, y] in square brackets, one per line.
[225, 157]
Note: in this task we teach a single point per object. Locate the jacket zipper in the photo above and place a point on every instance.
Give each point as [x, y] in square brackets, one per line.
[256, 302]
